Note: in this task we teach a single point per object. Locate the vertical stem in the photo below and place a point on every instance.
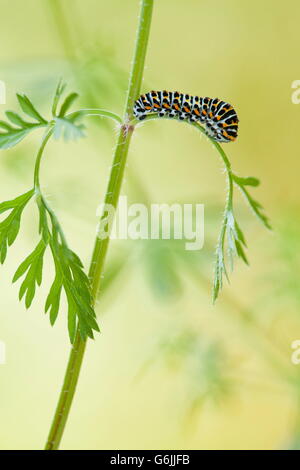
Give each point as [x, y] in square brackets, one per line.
[101, 244]
[46, 138]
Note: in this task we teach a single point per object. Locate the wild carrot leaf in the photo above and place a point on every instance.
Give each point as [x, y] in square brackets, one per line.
[10, 226]
[256, 207]
[67, 129]
[69, 273]
[58, 93]
[17, 120]
[13, 137]
[28, 108]
[6, 126]
[71, 277]
[53, 299]
[69, 100]
[248, 181]
[33, 265]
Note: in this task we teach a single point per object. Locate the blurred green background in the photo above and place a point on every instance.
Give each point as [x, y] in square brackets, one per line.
[169, 370]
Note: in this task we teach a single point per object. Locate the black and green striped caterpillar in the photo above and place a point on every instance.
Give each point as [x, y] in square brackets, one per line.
[219, 117]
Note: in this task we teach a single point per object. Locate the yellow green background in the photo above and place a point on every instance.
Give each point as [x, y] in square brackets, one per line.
[169, 370]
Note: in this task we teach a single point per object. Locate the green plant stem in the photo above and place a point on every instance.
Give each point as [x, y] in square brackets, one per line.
[45, 140]
[37, 186]
[101, 245]
[96, 112]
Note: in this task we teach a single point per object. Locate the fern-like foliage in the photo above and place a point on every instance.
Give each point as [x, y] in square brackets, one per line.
[69, 277]
[10, 226]
[16, 128]
[232, 232]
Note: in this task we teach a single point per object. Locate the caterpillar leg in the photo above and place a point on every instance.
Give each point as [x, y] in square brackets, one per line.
[173, 113]
[183, 116]
[163, 112]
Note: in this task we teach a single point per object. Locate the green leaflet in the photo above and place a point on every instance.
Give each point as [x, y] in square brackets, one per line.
[235, 239]
[256, 207]
[68, 129]
[72, 279]
[69, 100]
[231, 231]
[13, 137]
[17, 120]
[53, 299]
[10, 226]
[248, 181]
[28, 108]
[233, 235]
[58, 93]
[33, 264]
[17, 128]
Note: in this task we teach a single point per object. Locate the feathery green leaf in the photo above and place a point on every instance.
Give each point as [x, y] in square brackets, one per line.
[67, 103]
[67, 129]
[17, 120]
[13, 137]
[28, 108]
[10, 226]
[58, 93]
[33, 265]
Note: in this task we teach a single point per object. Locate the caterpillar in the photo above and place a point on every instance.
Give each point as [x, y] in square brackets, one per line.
[219, 117]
